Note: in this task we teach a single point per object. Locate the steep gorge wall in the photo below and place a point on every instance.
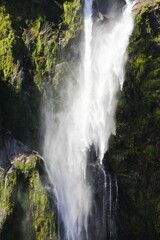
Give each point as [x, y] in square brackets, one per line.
[34, 37]
[135, 150]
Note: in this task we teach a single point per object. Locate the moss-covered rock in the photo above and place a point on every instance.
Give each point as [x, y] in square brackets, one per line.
[6, 189]
[72, 20]
[134, 152]
[26, 210]
[33, 36]
[36, 43]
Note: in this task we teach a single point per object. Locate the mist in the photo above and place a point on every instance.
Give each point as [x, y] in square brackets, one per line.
[87, 115]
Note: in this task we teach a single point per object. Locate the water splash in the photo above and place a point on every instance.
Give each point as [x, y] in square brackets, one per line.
[88, 120]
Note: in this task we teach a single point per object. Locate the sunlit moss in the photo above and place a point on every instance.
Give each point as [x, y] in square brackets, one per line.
[7, 38]
[23, 186]
[72, 19]
[6, 188]
[25, 164]
[43, 217]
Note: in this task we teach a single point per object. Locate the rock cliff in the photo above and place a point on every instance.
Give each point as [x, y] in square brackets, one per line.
[37, 49]
[134, 151]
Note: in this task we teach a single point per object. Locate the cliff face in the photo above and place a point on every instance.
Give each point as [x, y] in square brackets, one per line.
[32, 36]
[134, 151]
[36, 43]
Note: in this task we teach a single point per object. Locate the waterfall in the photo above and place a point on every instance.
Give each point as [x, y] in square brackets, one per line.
[76, 137]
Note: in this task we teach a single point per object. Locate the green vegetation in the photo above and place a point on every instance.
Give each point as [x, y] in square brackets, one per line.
[35, 39]
[72, 20]
[32, 38]
[134, 152]
[7, 38]
[6, 188]
[25, 207]
[42, 213]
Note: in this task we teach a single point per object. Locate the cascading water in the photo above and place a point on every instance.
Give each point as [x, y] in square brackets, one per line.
[84, 128]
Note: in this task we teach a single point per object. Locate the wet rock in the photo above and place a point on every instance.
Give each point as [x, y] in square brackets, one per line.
[24, 200]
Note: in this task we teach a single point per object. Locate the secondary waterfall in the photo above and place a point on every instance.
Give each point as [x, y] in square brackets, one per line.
[76, 137]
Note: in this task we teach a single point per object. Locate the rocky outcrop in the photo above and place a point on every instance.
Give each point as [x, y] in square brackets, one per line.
[9, 149]
[26, 208]
[141, 5]
[26, 203]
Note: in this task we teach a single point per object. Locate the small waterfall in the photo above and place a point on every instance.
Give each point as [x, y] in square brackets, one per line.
[77, 136]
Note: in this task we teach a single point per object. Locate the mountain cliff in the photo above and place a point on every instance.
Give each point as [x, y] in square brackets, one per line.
[134, 151]
[38, 47]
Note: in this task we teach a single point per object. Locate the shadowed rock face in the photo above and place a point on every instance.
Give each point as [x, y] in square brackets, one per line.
[105, 10]
[134, 151]
[10, 148]
[32, 35]
[104, 7]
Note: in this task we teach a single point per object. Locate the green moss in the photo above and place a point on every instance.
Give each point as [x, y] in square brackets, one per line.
[6, 189]
[32, 39]
[7, 38]
[23, 196]
[26, 164]
[28, 41]
[43, 217]
[72, 20]
[134, 152]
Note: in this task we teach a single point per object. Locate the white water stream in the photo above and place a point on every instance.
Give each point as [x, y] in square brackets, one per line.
[89, 120]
